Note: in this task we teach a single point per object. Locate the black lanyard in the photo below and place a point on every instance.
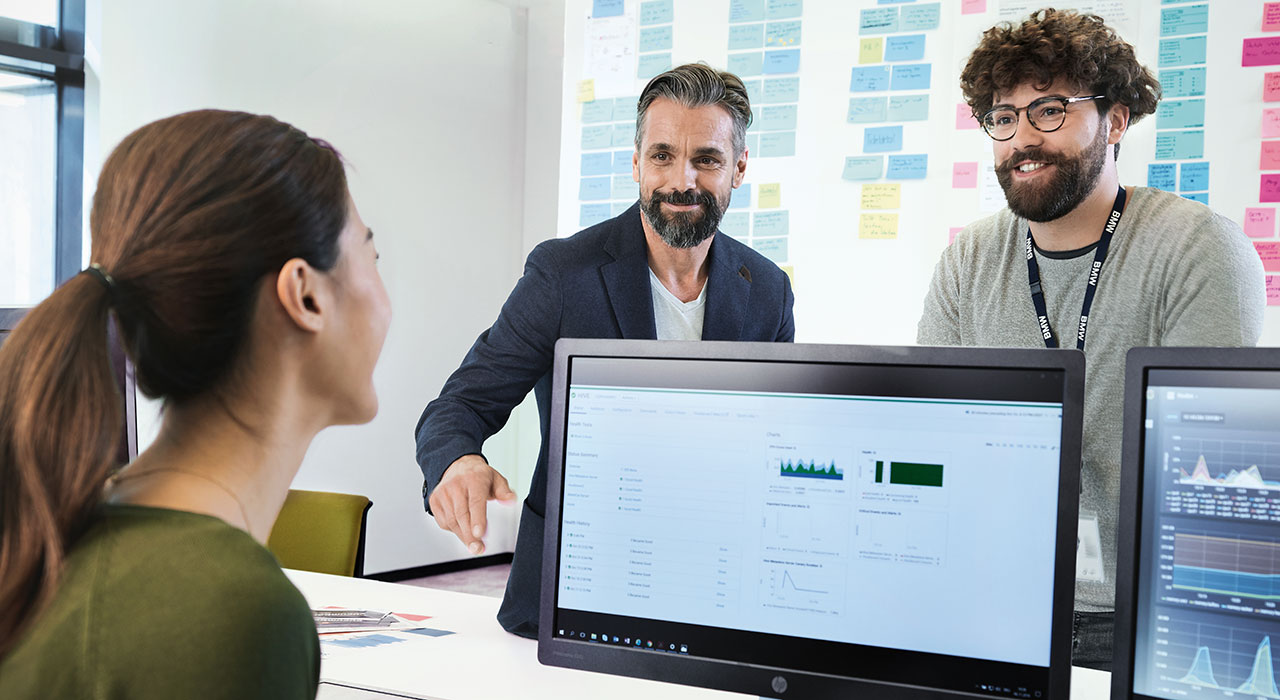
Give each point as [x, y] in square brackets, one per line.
[1099, 257]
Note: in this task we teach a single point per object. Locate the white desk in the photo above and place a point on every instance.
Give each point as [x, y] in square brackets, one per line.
[482, 662]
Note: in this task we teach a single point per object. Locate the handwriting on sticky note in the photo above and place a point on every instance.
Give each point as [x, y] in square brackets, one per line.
[587, 90]
[973, 7]
[1270, 156]
[879, 226]
[880, 139]
[1271, 87]
[964, 176]
[1269, 251]
[1262, 51]
[871, 50]
[964, 118]
[863, 168]
[882, 196]
[1260, 222]
[1269, 191]
[1271, 123]
[1273, 290]
[770, 196]
[1271, 17]
[1162, 176]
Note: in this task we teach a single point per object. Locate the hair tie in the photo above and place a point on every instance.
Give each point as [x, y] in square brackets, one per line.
[109, 283]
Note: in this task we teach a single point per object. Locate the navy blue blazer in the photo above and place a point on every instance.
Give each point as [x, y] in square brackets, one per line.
[594, 284]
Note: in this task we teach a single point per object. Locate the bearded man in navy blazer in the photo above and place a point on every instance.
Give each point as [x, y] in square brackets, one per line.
[657, 271]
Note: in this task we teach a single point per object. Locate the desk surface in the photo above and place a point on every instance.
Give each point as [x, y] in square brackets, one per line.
[481, 661]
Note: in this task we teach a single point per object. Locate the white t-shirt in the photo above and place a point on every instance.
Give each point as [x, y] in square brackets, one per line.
[675, 319]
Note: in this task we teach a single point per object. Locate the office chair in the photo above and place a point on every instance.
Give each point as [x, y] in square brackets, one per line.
[322, 532]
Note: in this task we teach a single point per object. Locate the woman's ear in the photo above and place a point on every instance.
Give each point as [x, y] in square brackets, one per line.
[303, 294]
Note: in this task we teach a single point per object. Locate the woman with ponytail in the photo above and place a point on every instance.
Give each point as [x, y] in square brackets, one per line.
[229, 255]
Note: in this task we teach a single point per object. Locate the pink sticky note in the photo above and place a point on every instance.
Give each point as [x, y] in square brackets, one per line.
[1260, 222]
[964, 117]
[951, 237]
[1270, 189]
[1270, 156]
[1269, 251]
[1271, 17]
[1273, 290]
[1271, 87]
[965, 175]
[973, 7]
[1262, 51]
[1271, 123]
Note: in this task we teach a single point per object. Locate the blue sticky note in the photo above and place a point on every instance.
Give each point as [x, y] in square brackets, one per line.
[746, 36]
[1184, 51]
[908, 108]
[1191, 19]
[912, 167]
[657, 12]
[596, 136]
[741, 197]
[596, 164]
[780, 90]
[593, 188]
[908, 47]
[1182, 82]
[776, 62]
[1180, 114]
[1162, 176]
[1179, 145]
[655, 38]
[920, 18]
[869, 79]
[617, 208]
[625, 108]
[623, 135]
[914, 76]
[780, 118]
[893, 2]
[736, 224]
[782, 34]
[776, 144]
[882, 139]
[771, 223]
[753, 144]
[741, 64]
[773, 248]
[863, 168]
[606, 8]
[621, 162]
[868, 110]
[783, 9]
[1194, 178]
[623, 187]
[592, 214]
[878, 20]
[755, 92]
[1201, 197]
[746, 10]
[597, 111]
[651, 64]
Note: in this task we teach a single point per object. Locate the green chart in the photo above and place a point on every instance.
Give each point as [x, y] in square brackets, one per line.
[909, 473]
[812, 470]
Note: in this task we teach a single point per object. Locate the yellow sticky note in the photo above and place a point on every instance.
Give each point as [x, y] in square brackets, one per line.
[882, 196]
[587, 90]
[871, 50]
[791, 273]
[770, 196]
[879, 226]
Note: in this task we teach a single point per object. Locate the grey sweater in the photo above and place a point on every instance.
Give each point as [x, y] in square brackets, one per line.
[1176, 274]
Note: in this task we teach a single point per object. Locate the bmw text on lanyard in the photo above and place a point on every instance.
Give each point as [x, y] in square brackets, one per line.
[1099, 257]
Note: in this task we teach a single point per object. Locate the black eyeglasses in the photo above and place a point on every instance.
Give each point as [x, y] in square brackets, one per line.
[1045, 114]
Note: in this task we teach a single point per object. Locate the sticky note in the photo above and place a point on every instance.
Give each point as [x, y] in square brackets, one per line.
[746, 36]
[623, 135]
[882, 139]
[1271, 87]
[770, 196]
[863, 168]
[597, 111]
[1263, 51]
[865, 110]
[1162, 176]
[1180, 114]
[965, 119]
[656, 12]
[623, 187]
[779, 90]
[1270, 188]
[878, 20]
[593, 188]
[587, 90]
[1191, 19]
[1179, 145]
[1269, 251]
[621, 162]
[770, 223]
[871, 49]
[782, 34]
[746, 10]
[1271, 17]
[870, 79]
[1183, 51]
[911, 77]
[1273, 290]
[786, 61]
[952, 233]
[904, 48]
[779, 118]
[1270, 156]
[736, 224]
[882, 196]
[651, 64]
[973, 7]
[596, 164]
[741, 64]
[773, 248]
[908, 108]
[920, 18]
[655, 38]
[596, 137]
[783, 9]
[964, 176]
[777, 144]
[753, 143]
[606, 8]
[592, 214]
[616, 208]
[912, 167]
[741, 197]
[1194, 177]
[1260, 222]
[1271, 123]
[1201, 197]
[1182, 82]
[878, 226]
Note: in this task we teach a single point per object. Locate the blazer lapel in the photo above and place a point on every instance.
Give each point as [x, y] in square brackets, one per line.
[626, 278]
[728, 288]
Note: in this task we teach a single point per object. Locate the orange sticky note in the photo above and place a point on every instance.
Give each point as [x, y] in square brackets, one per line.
[1260, 222]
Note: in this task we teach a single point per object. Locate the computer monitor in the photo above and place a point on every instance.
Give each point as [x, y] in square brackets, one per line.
[1198, 569]
[807, 521]
[123, 369]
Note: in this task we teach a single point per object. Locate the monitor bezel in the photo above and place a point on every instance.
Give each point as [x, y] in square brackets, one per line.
[761, 680]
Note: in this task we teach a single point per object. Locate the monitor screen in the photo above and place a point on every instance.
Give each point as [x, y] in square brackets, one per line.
[1207, 548]
[853, 520]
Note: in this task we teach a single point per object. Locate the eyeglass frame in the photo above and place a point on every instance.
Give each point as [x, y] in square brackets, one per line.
[1026, 110]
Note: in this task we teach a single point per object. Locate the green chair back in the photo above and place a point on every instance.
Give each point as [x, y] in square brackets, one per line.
[321, 531]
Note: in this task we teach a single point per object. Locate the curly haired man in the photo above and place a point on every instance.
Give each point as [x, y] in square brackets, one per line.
[1075, 257]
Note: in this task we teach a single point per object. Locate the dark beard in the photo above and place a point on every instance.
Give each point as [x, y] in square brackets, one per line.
[1069, 187]
[683, 229]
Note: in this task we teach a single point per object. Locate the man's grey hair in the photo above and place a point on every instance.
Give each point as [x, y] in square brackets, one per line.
[695, 85]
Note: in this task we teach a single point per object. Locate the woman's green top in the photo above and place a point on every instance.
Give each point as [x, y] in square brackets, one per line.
[158, 603]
